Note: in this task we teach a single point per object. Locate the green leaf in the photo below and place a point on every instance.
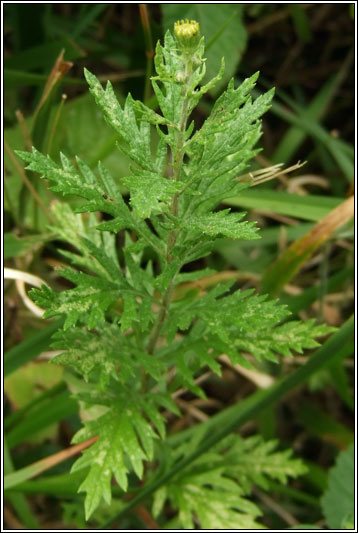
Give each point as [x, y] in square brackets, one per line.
[216, 508]
[15, 78]
[214, 488]
[125, 440]
[255, 461]
[168, 274]
[85, 132]
[338, 500]
[69, 181]
[301, 23]
[116, 319]
[104, 354]
[222, 223]
[97, 251]
[136, 140]
[42, 56]
[150, 192]
[224, 144]
[129, 313]
[315, 110]
[18, 499]
[86, 303]
[340, 151]
[90, 352]
[247, 322]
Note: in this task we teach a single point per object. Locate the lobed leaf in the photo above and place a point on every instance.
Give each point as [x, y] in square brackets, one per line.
[214, 488]
[117, 441]
[150, 192]
[221, 223]
[136, 139]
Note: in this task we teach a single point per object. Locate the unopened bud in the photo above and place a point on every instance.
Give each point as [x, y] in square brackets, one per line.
[187, 34]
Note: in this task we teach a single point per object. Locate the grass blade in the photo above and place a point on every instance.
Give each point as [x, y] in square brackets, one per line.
[314, 112]
[18, 500]
[30, 348]
[292, 259]
[313, 207]
[41, 417]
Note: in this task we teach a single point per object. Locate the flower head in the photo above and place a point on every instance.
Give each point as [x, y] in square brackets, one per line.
[187, 34]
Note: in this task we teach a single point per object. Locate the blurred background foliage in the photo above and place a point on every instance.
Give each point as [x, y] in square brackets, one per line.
[305, 255]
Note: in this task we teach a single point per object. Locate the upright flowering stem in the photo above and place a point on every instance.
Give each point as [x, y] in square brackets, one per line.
[187, 35]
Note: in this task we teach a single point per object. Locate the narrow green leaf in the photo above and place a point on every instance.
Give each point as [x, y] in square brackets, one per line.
[305, 207]
[18, 500]
[30, 347]
[41, 417]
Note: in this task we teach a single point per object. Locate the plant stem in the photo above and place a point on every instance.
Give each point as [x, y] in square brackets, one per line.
[153, 339]
[177, 157]
[55, 123]
[179, 154]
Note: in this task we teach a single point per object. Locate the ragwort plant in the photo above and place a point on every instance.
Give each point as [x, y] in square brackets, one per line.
[129, 333]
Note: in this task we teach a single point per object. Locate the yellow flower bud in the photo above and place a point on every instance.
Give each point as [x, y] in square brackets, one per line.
[187, 34]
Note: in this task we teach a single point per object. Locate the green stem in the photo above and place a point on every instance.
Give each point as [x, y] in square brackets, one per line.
[317, 360]
[161, 318]
[55, 123]
[178, 156]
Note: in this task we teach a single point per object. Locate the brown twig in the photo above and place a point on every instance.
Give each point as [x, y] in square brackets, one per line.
[271, 504]
[45, 464]
[120, 76]
[59, 70]
[24, 130]
[146, 517]
[192, 410]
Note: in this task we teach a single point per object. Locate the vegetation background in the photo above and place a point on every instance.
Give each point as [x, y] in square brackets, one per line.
[305, 255]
